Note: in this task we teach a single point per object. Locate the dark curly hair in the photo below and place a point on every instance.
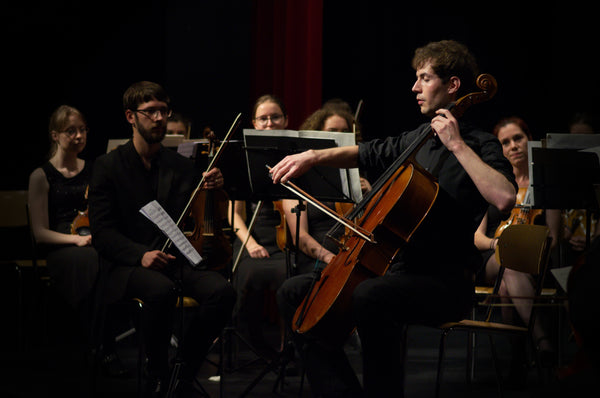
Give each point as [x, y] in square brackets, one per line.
[449, 58]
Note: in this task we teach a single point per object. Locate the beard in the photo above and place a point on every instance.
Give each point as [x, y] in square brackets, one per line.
[152, 135]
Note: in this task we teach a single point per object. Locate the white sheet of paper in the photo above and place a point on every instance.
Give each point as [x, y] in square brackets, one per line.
[561, 275]
[155, 213]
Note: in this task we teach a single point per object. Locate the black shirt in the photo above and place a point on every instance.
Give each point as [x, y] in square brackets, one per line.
[66, 196]
[446, 234]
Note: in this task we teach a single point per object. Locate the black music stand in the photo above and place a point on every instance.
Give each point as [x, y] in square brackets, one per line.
[266, 148]
[565, 179]
[322, 183]
[231, 163]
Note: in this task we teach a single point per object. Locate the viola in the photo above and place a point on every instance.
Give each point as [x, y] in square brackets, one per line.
[205, 215]
[520, 214]
[387, 216]
[81, 222]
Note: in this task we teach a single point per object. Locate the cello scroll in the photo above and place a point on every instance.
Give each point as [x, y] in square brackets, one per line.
[487, 83]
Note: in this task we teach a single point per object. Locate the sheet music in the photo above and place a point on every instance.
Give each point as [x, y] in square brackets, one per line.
[155, 213]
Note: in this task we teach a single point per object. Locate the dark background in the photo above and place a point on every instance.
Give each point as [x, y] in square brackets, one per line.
[205, 53]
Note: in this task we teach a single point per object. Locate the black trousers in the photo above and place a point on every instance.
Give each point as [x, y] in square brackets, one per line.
[210, 289]
[382, 308]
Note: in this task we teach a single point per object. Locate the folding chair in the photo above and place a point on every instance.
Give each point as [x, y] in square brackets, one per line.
[523, 248]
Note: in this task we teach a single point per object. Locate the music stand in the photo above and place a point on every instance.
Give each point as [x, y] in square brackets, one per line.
[268, 147]
[323, 183]
[564, 179]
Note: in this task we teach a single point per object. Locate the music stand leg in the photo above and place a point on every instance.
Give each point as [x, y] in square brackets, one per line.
[287, 353]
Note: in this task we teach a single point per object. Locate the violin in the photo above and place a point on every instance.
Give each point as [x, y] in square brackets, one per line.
[386, 217]
[520, 214]
[81, 222]
[205, 215]
[281, 230]
[209, 216]
[575, 221]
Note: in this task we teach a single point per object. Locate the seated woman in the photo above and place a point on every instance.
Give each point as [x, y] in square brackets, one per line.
[57, 191]
[513, 134]
[262, 266]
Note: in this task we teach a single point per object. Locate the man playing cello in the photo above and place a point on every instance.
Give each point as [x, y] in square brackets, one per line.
[430, 280]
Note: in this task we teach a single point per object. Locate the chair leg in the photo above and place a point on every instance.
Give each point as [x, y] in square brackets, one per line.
[300, 390]
[496, 365]
[141, 350]
[470, 371]
[536, 360]
[20, 311]
[441, 357]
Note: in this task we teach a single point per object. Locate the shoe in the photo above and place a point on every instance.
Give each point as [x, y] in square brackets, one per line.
[113, 367]
[546, 353]
[517, 376]
[548, 359]
[154, 388]
[191, 389]
[291, 369]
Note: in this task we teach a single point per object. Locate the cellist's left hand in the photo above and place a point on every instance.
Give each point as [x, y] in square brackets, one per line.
[445, 126]
[213, 179]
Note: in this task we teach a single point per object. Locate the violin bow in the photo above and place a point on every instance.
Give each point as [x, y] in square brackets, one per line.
[250, 227]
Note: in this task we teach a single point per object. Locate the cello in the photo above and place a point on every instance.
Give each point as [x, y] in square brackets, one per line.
[398, 203]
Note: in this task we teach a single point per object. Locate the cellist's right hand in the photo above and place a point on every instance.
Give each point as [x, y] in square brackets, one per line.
[293, 166]
[156, 259]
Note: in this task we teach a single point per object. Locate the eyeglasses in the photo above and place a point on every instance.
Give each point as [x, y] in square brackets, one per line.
[263, 120]
[72, 131]
[153, 113]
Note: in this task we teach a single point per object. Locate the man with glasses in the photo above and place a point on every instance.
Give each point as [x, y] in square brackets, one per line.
[125, 180]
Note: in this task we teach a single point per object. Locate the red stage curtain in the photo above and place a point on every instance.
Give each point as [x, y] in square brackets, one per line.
[287, 54]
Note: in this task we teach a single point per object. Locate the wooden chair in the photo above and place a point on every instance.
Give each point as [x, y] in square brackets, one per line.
[13, 224]
[523, 248]
[20, 253]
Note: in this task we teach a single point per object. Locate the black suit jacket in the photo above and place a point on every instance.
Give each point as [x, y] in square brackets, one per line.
[119, 188]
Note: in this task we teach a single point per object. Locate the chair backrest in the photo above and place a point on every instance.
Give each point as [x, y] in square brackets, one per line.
[524, 248]
[14, 227]
[13, 209]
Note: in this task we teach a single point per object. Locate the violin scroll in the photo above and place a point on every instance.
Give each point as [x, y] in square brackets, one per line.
[487, 83]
